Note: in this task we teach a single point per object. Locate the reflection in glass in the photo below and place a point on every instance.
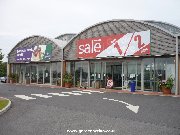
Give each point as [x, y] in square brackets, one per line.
[114, 71]
[132, 69]
[54, 73]
[138, 75]
[40, 74]
[33, 74]
[47, 73]
[81, 74]
[27, 74]
[149, 81]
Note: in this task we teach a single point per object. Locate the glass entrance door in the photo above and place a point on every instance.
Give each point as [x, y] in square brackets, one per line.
[81, 74]
[116, 76]
[34, 74]
[125, 83]
[27, 74]
[114, 71]
[98, 74]
[22, 74]
[149, 80]
[47, 74]
[40, 74]
[44, 74]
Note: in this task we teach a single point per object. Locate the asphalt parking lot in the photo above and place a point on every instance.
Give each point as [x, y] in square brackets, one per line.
[42, 110]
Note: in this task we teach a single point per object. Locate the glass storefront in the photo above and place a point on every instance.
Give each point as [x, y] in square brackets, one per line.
[144, 72]
[54, 73]
[58, 67]
[97, 74]
[33, 74]
[47, 74]
[81, 74]
[149, 76]
[27, 74]
[114, 71]
[40, 74]
[44, 73]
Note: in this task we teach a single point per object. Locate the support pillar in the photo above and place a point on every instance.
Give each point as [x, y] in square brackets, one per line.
[63, 70]
[8, 71]
[177, 67]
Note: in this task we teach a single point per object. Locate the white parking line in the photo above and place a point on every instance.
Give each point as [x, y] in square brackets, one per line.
[175, 96]
[71, 93]
[24, 97]
[93, 91]
[40, 95]
[111, 99]
[57, 94]
[83, 92]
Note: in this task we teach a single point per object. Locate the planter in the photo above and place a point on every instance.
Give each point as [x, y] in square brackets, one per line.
[166, 90]
[12, 81]
[28, 81]
[67, 85]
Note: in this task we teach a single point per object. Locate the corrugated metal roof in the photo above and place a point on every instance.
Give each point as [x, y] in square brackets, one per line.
[169, 27]
[163, 39]
[60, 43]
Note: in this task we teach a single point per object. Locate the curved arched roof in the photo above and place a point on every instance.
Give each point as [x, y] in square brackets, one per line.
[167, 26]
[66, 36]
[57, 46]
[162, 38]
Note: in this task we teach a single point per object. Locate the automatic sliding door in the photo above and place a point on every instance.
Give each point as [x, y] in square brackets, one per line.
[124, 76]
[81, 74]
[27, 74]
[47, 73]
[22, 73]
[98, 74]
[149, 81]
[34, 74]
[40, 74]
[116, 72]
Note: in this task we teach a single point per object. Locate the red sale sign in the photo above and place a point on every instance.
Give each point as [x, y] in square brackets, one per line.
[137, 43]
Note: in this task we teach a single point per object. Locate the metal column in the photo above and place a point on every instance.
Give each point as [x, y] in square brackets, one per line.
[177, 67]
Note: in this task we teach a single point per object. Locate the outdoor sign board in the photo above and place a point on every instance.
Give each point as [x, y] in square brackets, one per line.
[34, 53]
[137, 43]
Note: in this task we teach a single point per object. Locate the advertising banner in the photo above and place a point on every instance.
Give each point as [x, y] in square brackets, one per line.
[34, 53]
[137, 43]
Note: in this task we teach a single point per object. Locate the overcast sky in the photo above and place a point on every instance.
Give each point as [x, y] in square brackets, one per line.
[22, 18]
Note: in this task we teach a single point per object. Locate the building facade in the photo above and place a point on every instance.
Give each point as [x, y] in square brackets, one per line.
[125, 50]
[38, 59]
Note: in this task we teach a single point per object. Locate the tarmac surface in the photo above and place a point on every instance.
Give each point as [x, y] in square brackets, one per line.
[35, 111]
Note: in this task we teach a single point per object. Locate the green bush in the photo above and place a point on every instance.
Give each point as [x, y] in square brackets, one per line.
[67, 78]
[167, 84]
[13, 76]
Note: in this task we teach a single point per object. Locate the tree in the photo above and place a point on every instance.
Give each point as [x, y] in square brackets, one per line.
[3, 67]
[1, 56]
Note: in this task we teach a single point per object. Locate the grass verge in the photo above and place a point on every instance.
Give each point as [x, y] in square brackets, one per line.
[3, 103]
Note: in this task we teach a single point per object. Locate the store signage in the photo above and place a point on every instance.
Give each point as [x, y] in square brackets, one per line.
[137, 43]
[34, 53]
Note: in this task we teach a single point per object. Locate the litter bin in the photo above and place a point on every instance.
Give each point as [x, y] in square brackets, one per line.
[132, 85]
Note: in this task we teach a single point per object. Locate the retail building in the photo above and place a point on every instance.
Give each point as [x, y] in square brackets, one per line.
[125, 50]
